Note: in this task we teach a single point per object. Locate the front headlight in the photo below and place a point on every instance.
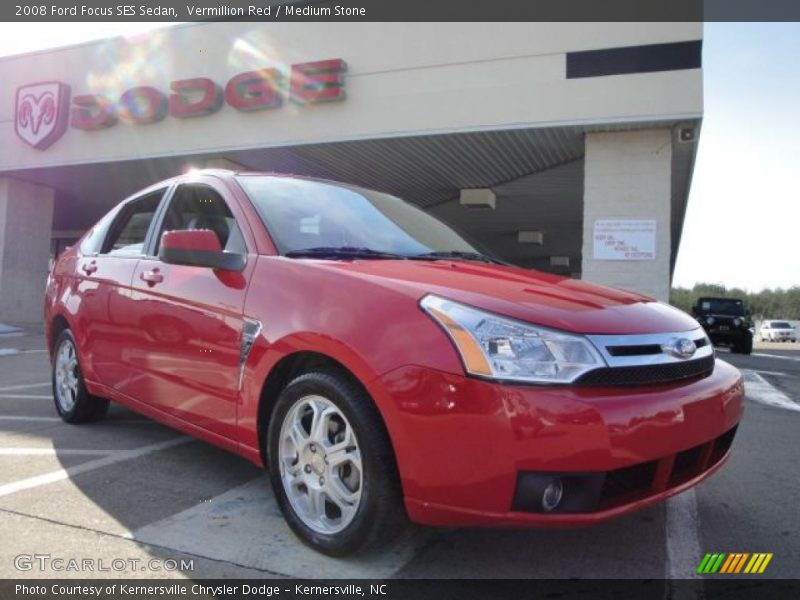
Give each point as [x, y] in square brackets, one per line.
[501, 348]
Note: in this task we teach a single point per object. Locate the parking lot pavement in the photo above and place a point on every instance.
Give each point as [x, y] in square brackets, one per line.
[127, 488]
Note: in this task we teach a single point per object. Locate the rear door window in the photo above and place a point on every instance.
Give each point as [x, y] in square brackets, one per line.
[128, 233]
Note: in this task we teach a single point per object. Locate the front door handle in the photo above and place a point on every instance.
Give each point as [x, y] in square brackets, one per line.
[90, 267]
[152, 277]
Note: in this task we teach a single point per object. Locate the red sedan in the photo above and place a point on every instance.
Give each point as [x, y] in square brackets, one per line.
[380, 366]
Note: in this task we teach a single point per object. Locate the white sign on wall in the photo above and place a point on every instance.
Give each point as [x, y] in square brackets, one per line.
[625, 239]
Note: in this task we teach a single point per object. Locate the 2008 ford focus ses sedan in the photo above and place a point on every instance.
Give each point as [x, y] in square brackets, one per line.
[378, 365]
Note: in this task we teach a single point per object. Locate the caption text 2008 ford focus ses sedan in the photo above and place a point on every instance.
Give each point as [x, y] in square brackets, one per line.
[378, 364]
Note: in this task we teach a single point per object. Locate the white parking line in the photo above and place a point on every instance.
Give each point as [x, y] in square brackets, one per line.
[27, 418]
[25, 386]
[58, 419]
[781, 356]
[776, 373]
[54, 452]
[17, 351]
[61, 474]
[682, 536]
[28, 396]
[760, 390]
[234, 526]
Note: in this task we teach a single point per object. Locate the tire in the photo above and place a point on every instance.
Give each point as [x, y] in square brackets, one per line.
[355, 510]
[73, 402]
[746, 345]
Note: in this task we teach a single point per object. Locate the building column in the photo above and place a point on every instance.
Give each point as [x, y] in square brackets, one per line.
[627, 186]
[26, 219]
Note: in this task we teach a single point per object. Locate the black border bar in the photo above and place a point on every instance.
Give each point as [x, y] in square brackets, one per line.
[731, 588]
[650, 58]
[402, 10]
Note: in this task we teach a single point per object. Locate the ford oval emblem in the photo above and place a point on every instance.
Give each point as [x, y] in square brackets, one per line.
[680, 348]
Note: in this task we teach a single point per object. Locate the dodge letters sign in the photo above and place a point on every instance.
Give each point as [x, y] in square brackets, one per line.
[44, 111]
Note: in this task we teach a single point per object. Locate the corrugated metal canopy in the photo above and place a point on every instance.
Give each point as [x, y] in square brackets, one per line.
[536, 173]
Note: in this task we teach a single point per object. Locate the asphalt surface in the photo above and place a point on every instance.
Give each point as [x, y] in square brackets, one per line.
[127, 488]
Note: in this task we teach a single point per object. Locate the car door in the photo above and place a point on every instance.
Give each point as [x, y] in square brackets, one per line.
[190, 318]
[105, 270]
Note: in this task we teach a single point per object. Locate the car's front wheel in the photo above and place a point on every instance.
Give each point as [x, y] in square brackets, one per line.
[332, 466]
[73, 402]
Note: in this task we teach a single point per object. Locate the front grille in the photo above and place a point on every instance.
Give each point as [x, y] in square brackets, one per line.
[629, 480]
[686, 464]
[648, 374]
[722, 445]
[646, 349]
[639, 350]
[602, 490]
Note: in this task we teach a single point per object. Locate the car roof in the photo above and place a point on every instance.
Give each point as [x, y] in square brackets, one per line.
[229, 174]
[225, 173]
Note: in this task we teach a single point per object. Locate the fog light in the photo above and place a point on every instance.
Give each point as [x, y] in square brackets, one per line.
[551, 497]
[710, 320]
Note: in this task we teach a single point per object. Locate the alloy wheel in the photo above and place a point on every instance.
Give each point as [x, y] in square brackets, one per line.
[66, 375]
[320, 464]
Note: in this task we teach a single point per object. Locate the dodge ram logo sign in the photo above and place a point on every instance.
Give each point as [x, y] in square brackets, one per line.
[42, 113]
[44, 110]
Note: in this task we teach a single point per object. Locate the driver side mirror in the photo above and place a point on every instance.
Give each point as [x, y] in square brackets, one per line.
[198, 248]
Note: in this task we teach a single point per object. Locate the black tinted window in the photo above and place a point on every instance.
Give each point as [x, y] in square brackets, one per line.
[93, 241]
[722, 306]
[127, 234]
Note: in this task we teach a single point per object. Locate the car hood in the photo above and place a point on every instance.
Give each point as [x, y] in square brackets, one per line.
[532, 296]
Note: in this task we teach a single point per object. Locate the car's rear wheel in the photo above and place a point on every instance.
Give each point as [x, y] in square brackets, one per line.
[332, 466]
[73, 402]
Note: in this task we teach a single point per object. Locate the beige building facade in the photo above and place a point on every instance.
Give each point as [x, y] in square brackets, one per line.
[536, 140]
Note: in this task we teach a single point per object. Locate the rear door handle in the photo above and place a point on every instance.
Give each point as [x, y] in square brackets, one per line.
[152, 277]
[90, 267]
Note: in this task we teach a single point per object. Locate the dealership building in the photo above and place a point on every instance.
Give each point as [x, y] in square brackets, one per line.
[564, 147]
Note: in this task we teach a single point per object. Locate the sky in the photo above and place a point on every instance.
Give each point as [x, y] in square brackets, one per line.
[742, 224]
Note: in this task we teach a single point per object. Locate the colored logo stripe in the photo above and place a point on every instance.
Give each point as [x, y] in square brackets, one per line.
[721, 562]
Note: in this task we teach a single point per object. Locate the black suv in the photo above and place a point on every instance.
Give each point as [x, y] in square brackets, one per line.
[726, 322]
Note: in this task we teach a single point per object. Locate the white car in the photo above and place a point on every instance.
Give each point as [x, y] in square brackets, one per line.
[777, 331]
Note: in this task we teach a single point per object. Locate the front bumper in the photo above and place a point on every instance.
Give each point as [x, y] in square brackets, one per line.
[782, 337]
[463, 445]
[727, 336]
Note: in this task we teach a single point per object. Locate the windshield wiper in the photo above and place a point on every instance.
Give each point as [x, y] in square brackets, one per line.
[342, 252]
[458, 255]
[346, 252]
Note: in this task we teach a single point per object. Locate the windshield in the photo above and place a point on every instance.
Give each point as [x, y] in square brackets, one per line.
[722, 306]
[780, 325]
[303, 215]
